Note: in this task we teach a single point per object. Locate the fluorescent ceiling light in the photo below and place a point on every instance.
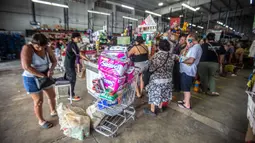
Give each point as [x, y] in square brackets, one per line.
[160, 4]
[128, 7]
[181, 15]
[130, 18]
[197, 8]
[59, 5]
[193, 25]
[226, 26]
[98, 12]
[146, 11]
[230, 28]
[168, 18]
[189, 7]
[200, 27]
[50, 3]
[251, 1]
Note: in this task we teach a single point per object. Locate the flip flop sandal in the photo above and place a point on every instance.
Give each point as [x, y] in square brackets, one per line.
[148, 112]
[183, 106]
[160, 110]
[180, 102]
[212, 94]
[215, 94]
[46, 125]
[54, 114]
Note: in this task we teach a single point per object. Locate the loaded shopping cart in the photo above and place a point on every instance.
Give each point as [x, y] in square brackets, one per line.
[251, 109]
[118, 111]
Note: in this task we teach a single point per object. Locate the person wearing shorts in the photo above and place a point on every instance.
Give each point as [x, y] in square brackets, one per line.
[35, 59]
[188, 68]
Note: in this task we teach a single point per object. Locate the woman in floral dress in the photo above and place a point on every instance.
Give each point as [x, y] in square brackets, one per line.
[160, 84]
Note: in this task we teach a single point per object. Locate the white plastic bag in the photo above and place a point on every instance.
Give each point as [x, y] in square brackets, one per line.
[94, 115]
[73, 121]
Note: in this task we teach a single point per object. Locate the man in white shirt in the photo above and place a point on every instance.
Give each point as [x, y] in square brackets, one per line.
[188, 68]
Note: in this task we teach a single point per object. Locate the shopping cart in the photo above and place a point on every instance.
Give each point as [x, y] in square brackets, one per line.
[118, 114]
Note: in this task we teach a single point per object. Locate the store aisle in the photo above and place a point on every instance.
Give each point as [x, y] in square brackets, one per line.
[213, 119]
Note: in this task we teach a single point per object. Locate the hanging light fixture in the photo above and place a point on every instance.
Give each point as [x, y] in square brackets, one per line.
[128, 7]
[98, 12]
[50, 3]
[189, 7]
[130, 18]
[153, 13]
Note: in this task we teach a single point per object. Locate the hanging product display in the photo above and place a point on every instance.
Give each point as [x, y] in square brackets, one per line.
[175, 23]
[147, 29]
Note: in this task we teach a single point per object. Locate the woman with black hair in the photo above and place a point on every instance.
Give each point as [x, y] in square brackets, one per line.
[35, 59]
[160, 83]
[72, 54]
[140, 57]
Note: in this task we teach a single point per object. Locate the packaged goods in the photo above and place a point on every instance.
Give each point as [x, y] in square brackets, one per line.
[130, 74]
[95, 116]
[73, 121]
[105, 103]
[108, 95]
[114, 83]
[115, 54]
[114, 67]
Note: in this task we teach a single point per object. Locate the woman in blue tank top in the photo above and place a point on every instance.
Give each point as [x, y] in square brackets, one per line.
[35, 59]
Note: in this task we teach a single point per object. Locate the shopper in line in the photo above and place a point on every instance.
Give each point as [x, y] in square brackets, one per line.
[188, 68]
[176, 71]
[72, 53]
[140, 55]
[160, 83]
[239, 54]
[35, 59]
[213, 53]
[230, 52]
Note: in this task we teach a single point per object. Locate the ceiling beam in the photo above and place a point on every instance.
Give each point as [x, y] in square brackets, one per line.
[215, 7]
[238, 3]
[177, 6]
[206, 9]
[226, 5]
[232, 14]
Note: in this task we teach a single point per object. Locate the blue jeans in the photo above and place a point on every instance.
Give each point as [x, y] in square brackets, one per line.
[31, 86]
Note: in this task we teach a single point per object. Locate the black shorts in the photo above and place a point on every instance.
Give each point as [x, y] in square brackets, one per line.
[186, 82]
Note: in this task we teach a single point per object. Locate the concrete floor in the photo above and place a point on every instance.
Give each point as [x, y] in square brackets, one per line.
[213, 119]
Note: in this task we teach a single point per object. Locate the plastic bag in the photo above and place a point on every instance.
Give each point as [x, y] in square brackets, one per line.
[73, 121]
[94, 115]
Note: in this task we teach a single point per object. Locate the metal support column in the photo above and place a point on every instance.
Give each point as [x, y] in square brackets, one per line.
[107, 24]
[192, 21]
[33, 11]
[112, 21]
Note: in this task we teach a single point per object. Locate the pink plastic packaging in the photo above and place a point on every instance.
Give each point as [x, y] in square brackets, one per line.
[114, 67]
[115, 54]
[130, 74]
[113, 83]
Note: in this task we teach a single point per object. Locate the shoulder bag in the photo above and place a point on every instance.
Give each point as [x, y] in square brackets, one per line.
[147, 74]
[43, 82]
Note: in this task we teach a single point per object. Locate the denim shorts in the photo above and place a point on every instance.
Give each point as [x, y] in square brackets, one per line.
[186, 82]
[31, 86]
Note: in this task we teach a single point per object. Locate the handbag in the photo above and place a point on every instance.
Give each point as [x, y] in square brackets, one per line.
[43, 82]
[147, 74]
